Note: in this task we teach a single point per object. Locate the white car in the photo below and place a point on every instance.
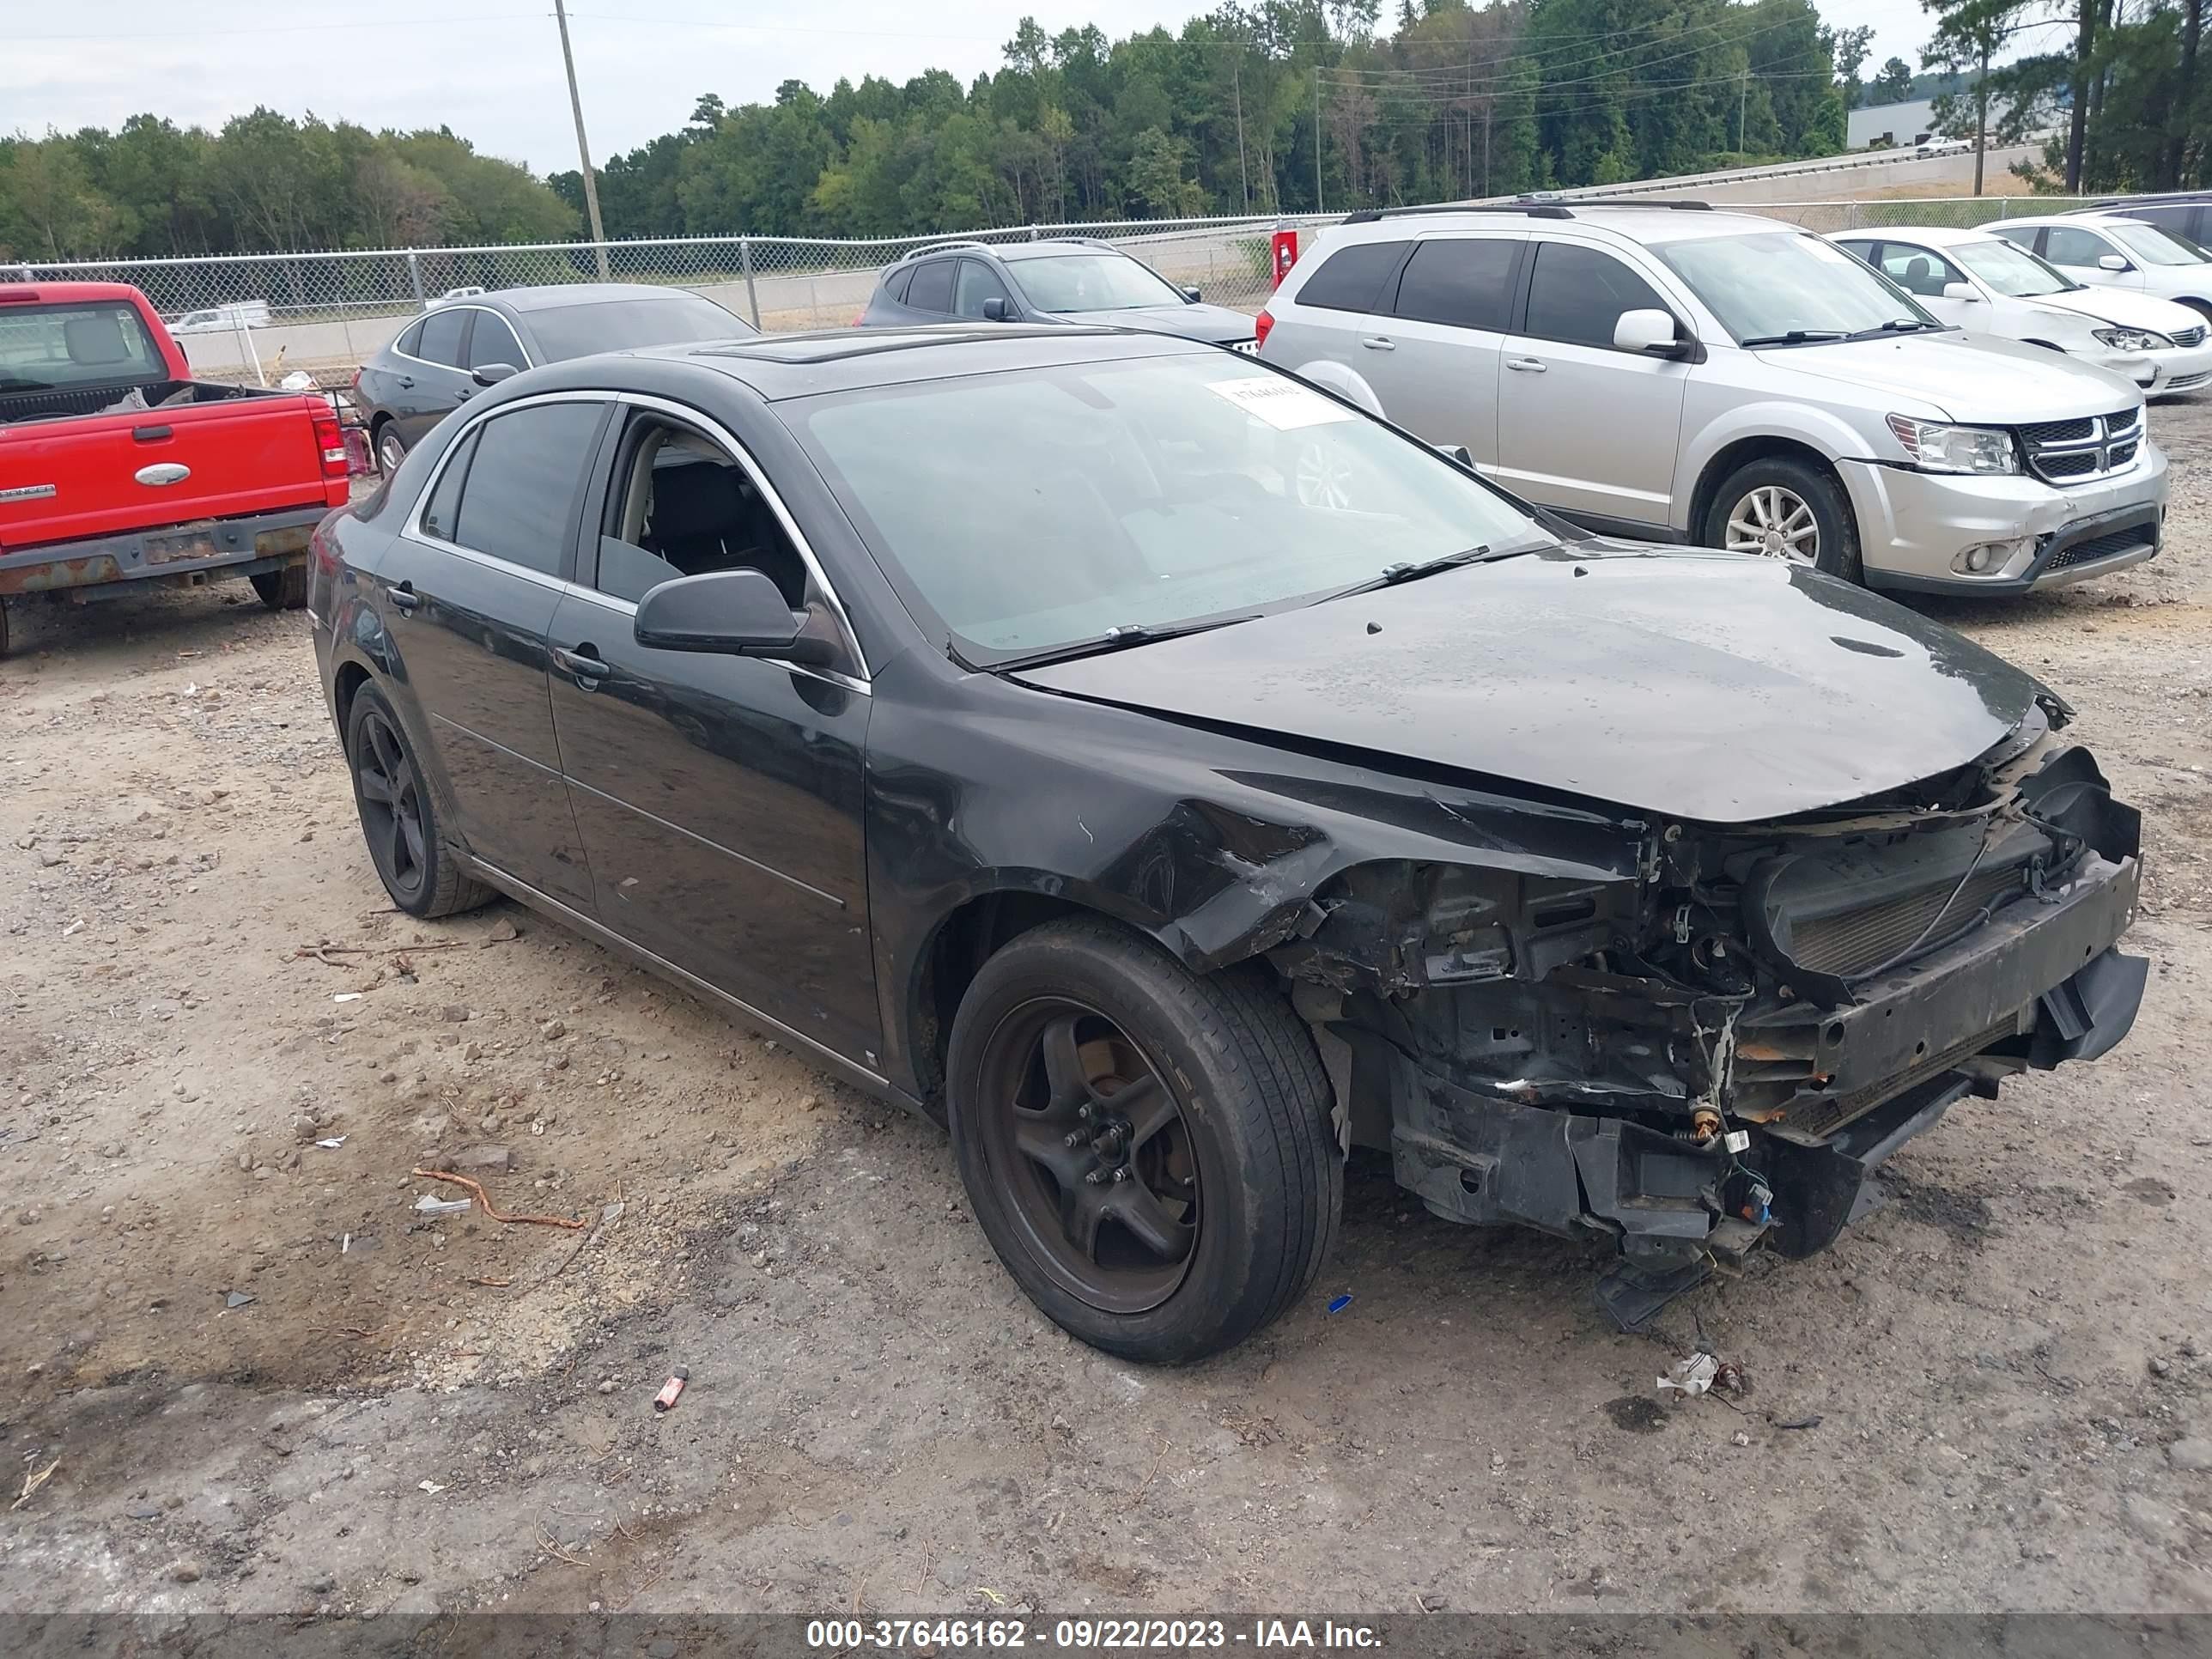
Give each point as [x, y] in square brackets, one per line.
[223, 319]
[1944, 147]
[2107, 250]
[450, 296]
[1987, 285]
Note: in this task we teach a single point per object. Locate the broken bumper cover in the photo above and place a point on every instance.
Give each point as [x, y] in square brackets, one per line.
[2038, 984]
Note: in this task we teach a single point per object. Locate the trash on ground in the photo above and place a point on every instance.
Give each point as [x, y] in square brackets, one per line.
[1729, 1377]
[1691, 1377]
[430, 1487]
[484, 1199]
[671, 1389]
[32, 1482]
[74, 928]
[238, 1300]
[427, 1205]
[347, 996]
[1338, 1305]
[1811, 1421]
[333, 1143]
[1740, 1438]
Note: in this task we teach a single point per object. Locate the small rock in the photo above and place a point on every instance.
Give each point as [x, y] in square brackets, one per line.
[28, 1218]
[245, 1162]
[322, 1586]
[502, 930]
[552, 1029]
[607, 1387]
[453, 1013]
[2193, 1455]
[664, 1649]
[111, 1149]
[1740, 1438]
[184, 1572]
[143, 1512]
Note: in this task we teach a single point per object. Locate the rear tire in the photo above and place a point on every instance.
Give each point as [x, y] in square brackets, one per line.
[1232, 1141]
[424, 872]
[389, 447]
[1787, 482]
[285, 589]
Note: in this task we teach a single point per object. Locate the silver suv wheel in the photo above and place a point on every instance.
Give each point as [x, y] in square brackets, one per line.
[1775, 522]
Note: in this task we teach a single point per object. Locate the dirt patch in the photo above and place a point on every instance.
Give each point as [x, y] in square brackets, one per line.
[419, 1412]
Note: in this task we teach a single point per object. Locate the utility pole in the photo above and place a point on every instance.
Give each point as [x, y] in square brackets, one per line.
[1981, 112]
[1742, 102]
[583, 147]
[1318, 208]
[1237, 85]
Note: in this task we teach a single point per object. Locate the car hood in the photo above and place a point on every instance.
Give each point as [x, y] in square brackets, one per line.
[2121, 306]
[1192, 322]
[1976, 378]
[1714, 687]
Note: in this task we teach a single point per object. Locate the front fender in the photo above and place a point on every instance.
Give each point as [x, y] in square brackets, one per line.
[1828, 436]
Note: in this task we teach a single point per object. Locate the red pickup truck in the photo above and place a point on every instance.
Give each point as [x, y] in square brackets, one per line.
[117, 468]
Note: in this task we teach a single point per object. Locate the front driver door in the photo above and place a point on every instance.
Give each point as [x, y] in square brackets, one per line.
[720, 797]
[1924, 274]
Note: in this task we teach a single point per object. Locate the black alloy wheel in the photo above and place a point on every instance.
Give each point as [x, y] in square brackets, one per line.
[423, 872]
[1100, 1175]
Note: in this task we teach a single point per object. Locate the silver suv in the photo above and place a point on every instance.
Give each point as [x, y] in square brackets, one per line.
[1672, 373]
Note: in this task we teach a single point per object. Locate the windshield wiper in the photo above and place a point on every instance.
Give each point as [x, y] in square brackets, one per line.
[1117, 638]
[1894, 325]
[1794, 336]
[1393, 575]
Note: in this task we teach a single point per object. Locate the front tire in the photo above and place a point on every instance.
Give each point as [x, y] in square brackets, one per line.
[390, 448]
[423, 871]
[1788, 509]
[1149, 1151]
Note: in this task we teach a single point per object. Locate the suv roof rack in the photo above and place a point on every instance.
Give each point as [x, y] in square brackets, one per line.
[1533, 209]
[1679, 204]
[938, 248]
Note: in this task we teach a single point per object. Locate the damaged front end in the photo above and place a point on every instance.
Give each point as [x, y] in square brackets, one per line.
[1720, 1049]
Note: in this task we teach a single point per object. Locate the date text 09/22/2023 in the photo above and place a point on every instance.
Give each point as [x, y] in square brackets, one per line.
[989, 1635]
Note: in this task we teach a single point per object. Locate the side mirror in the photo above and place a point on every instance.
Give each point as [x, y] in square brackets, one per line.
[1963, 292]
[1191, 295]
[2113, 261]
[1456, 452]
[1648, 330]
[738, 613]
[997, 311]
[493, 373]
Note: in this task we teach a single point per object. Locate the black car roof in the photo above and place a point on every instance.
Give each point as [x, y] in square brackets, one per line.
[780, 366]
[552, 296]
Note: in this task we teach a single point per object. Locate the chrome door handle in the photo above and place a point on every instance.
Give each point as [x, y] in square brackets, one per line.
[404, 596]
[1524, 366]
[1378, 343]
[584, 665]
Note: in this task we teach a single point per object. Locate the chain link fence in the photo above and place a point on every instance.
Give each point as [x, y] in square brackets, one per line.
[260, 315]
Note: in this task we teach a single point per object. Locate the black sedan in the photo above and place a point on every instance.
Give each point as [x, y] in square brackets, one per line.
[1170, 778]
[460, 346]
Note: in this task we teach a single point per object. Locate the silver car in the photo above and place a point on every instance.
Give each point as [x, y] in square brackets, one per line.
[1672, 373]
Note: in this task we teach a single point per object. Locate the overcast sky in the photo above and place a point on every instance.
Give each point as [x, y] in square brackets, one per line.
[491, 68]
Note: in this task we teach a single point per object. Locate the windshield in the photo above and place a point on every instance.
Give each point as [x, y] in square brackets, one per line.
[1091, 281]
[2154, 245]
[1040, 507]
[2011, 271]
[1766, 288]
[102, 343]
[625, 325]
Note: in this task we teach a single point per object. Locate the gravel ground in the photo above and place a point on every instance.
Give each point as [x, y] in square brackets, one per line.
[2009, 1364]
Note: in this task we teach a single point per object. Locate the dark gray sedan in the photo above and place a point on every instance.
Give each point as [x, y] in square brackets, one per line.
[459, 347]
[1060, 279]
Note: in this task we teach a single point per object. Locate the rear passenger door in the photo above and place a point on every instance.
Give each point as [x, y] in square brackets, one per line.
[467, 595]
[1434, 360]
[438, 380]
[1583, 425]
[931, 292]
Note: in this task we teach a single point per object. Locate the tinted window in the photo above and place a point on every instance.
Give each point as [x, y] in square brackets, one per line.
[894, 285]
[1577, 293]
[933, 286]
[441, 337]
[2180, 219]
[522, 483]
[1467, 282]
[578, 331]
[1351, 278]
[2068, 245]
[1918, 269]
[977, 282]
[410, 342]
[494, 342]
[438, 517]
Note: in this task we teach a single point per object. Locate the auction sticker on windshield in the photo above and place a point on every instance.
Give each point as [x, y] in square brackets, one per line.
[1284, 405]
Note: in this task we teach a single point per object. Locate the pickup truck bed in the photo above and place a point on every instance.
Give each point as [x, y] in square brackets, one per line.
[117, 468]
